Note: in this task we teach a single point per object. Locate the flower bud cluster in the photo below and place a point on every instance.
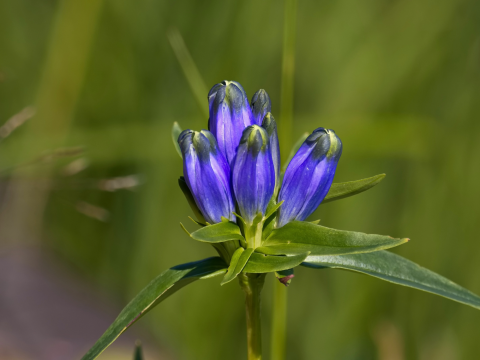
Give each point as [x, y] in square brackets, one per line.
[236, 164]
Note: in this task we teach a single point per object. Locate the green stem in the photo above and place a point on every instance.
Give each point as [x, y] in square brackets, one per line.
[279, 321]
[288, 72]
[279, 318]
[252, 285]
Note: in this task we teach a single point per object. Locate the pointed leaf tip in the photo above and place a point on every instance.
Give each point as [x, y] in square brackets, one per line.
[398, 270]
[346, 189]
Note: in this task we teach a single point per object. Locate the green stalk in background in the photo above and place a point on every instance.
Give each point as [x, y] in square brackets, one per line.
[279, 315]
[195, 80]
[62, 79]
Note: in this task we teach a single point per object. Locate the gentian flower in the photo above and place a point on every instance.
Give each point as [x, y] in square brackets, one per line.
[270, 125]
[253, 173]
[309, 176]
[207, 175]
[261, 105]
[230, 114]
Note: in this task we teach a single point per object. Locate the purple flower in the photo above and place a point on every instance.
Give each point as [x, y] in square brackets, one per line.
[253, 173]
[230, 114]
[309, 176]
[207, 175]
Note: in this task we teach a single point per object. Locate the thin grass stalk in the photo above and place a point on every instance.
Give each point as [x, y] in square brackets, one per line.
[279, 316]
[195, 80]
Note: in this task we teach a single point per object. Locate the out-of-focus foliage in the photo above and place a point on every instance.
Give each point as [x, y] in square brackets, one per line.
[398, 81]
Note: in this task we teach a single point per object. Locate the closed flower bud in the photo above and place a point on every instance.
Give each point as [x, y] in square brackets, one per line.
[270, 125]
[207, 175]
[230, 114]
[253, 173]
[309, 176]
[261, 105]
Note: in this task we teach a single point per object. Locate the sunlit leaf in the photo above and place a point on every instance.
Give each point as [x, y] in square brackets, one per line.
[223, 231]
[260, 263]
[398, 270]
[342, 190]
[158, 290]
[299, 237]
[239, 259]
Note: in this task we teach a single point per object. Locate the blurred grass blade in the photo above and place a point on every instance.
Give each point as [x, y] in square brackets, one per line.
[158, 290]
[138, 355]
[398, 270]
[343, 190]
[239, 259]
[298, 237]
[195, 80]
[221, 232]
[260, 263]
[294, 150]
[288, 75]
[176, 131]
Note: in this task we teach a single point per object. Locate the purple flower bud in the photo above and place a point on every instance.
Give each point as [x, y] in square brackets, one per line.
[207, 175]
[261, 105]
[309, 176]
[230, 114]
[253, 173]
[270, 125]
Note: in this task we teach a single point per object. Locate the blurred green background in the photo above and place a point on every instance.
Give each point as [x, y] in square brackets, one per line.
[399, 82]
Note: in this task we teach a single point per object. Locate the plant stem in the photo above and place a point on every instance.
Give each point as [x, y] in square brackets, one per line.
[252, 285]
[288, 72]
[279, 321]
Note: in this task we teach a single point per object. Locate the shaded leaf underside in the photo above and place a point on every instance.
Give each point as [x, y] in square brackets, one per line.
[398, 270]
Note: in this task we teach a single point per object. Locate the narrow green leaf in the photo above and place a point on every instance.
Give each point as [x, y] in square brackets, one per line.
[197, 222]
[223, 231]
[294, 150]
[138, 355]
[269, 220]
[239, 259]
[298, 237]
[158, 290]
[176, 131]
[398, 270]
[273, 209]
[259, 263]
[342, 190]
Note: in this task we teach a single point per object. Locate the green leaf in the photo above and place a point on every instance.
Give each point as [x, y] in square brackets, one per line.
[223, 231]
[138, 355]
[158, 290]
[239, 259]
[269, 220]
[342, 190]
[259, 263]
[271, 210]
[176, 131]
[398, 270]
[298, 237]
[294, 150]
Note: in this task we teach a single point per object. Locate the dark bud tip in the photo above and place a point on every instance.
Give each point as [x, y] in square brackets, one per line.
[286, 280]
[255, 137]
